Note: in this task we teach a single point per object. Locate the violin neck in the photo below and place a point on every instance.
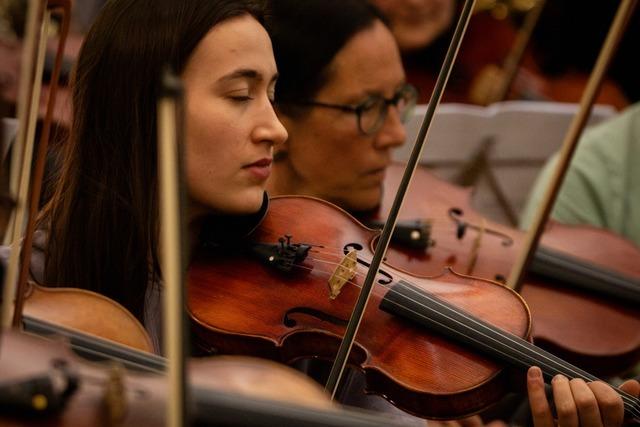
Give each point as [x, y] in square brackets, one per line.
[583, 275]
[412, 303]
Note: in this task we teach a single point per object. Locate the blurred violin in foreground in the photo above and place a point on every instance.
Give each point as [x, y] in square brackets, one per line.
[43, 383]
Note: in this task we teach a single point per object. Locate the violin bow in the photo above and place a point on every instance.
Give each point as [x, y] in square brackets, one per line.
[172, 243]
[29, 88]
[38, 10]
[356, 316]
[620, 22]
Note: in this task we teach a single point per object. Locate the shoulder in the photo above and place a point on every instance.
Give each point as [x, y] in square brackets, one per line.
[611, 140]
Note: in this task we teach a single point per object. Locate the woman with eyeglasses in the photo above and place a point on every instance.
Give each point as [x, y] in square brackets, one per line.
[343, 97]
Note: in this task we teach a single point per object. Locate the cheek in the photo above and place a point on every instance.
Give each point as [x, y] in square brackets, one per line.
[211, 158]
[331, 157]
[321, 156]
[216, 148]
[205, 153]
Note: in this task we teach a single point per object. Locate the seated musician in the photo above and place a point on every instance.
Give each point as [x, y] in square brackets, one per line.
[343, 109]
[102, 220]
[555, 64]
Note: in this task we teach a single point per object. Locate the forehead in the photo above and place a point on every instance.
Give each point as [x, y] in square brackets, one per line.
[369, 61]
[240, 42]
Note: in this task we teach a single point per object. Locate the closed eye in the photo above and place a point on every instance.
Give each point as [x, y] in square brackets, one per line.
[240, 98]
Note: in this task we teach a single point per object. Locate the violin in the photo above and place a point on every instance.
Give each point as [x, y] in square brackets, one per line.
[567, 321]
[42, 381]
[287, 293]
[493, 66]
[78, 309]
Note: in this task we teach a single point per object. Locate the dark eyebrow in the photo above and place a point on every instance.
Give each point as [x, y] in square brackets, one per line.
[249, 74]
[378, 93]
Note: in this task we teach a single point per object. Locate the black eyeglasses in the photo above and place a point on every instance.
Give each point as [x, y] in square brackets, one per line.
[373, 111]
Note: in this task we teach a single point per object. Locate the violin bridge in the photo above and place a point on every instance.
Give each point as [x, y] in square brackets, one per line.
[344, 272]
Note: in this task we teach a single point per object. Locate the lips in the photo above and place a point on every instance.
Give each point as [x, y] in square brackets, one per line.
[376, 175]
[260, 169]
[266, 162]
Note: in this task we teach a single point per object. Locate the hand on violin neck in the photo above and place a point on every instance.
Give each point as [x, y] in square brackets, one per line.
[577, 402]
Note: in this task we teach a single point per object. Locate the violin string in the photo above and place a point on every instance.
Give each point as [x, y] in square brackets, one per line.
[335, 253]
[110, 357]
[358, 274]
[324, 273]
[509, 339]
[439, 247]
[438, 241]
[520, 348]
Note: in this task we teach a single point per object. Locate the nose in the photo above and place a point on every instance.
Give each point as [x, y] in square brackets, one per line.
[269, 128]
[392, 133]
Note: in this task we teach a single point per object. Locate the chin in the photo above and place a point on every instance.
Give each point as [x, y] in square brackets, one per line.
[416, 40]
[248, 205]
[242, 202]
[363, 201]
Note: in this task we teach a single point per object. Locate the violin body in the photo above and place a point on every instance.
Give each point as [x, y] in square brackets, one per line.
[242, 306]
[86, 311]
[431, 199]
[597, 333]
[86, 393]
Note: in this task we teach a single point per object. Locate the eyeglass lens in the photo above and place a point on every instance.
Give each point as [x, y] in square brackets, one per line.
[374, 111]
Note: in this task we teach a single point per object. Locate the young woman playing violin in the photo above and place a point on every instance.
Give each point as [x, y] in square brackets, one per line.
[343, 109]
[101, 224]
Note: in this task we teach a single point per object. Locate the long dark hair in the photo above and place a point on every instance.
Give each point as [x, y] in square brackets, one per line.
[103, 216]
[306, 36]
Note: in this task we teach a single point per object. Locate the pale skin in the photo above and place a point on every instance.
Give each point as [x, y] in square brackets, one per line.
[336, 162]
[326, 156]
[231, 126]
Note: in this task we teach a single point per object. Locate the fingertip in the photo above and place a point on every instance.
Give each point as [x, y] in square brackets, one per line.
[534, 373]
[559, 379]
[632, 387]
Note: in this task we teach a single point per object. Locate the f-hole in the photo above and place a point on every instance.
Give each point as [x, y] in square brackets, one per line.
[388, 279]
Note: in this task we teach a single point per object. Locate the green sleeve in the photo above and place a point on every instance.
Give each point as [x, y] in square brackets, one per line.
[595, 190]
